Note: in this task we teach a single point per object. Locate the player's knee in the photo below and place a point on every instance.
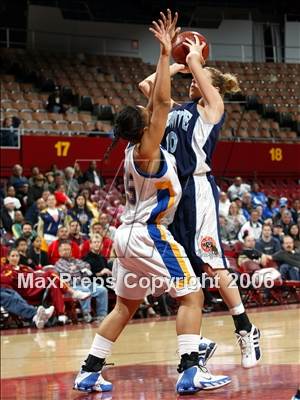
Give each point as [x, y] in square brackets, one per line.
[194, 299]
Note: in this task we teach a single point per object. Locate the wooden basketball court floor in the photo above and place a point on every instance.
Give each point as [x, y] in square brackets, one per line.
[42, 364]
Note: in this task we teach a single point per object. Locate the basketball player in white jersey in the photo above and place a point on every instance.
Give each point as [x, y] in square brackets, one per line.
[191, 135]
[144, 246]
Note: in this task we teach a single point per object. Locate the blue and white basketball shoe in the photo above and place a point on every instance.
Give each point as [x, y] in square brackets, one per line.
[249, 344]
[92, 382]
[207, 349]
[198, 378]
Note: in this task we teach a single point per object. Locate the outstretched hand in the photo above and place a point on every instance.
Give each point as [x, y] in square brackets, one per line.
[170, 24]
[195, 47]
[162, 35]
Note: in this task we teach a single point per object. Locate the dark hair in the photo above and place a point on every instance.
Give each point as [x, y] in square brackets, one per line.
[129, 124]
[27, 223]
[18, 241]
[64, 242]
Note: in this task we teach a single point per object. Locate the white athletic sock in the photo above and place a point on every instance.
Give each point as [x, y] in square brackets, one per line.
[237, 310]
[188, 344]
[101, 347]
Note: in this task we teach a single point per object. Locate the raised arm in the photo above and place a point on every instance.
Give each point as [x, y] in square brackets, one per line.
[149, 148]
[213, 102]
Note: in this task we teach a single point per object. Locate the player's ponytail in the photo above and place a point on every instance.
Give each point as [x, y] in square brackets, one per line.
[227, 83]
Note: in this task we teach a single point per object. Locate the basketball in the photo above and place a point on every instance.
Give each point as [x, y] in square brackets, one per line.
[180, 51]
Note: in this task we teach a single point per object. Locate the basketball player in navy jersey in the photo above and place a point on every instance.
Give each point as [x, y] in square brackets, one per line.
[191, 135]
[144, 246]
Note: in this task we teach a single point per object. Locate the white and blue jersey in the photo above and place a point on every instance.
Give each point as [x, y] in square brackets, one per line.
[144, 246]
[192, 141]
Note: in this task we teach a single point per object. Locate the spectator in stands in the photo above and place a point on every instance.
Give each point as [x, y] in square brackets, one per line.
[286, 221]
[109, 230]
[227, 231]
[270, 208]
[71, 183]
[11, 191]
[22, 194]
[22, 248]
[13, 303]
[81, 213]
[62, 199]
[289, 260]
[94, 258]
[258, 198]
[224, 204]
[59, 179]
[28, 232]
[283, 206]
[93, 207]
[78, 175]
[8, 213]
[17, 225]
[35, 171]
[251, 228]
[49, 179]
[54, 103]
[8, 132]
[93, 176]
[76, 234]
[295, 210]
[106, 249]
[235, 217]
[49, 220]
[79, 269]
[267, 244]
[33, 212]
[63, 236]
[294, 232]
[17, 178]
[36, 190]
[247, 206]
[237, 188]
[278, 232]
[38, 256]
[250, 259]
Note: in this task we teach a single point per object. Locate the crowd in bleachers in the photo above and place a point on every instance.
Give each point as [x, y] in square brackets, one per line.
[65, 221]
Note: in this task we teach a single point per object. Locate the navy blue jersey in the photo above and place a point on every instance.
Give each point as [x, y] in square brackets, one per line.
[190, 139]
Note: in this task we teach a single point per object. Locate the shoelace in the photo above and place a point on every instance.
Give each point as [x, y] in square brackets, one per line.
[244, 342]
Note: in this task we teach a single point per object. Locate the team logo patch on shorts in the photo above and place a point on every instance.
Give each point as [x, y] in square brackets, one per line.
[208, 245]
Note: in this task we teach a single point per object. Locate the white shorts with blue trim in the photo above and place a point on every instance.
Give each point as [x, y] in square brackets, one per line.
[150, 261]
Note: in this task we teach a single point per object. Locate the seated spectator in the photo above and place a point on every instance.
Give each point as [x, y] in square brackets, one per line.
[224, 204]
[61, 196]
[71, 183]
[9, 136]
[94, 258]
[295, 210]
[237, 188]
[49, 220]
[77, 236]
[227, 231]
[104, 221]
[258, 198]
[106, 248]
[33, 212]
[11, 192]
[81, 213]
[93, 207]
[93, 176]
[251, 228]
[38, 256]
[286, 221]
[294, 232]
[235, 217]
[17, 225]
[22, 194]
[39, 282]
[283, 206]
[53, 249]
[78, 175]
[8, 213]
[17, 177]
[28, 232]
[36, 190]
[278, 232]
[12, 302]
[289, 260]
[270, 208]
[22, 248]
[251, 259]
[58, 180]
[247, 206]
[54, 103]
[267, 244]
[35, 171]
[49, 176]
[79, 269]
